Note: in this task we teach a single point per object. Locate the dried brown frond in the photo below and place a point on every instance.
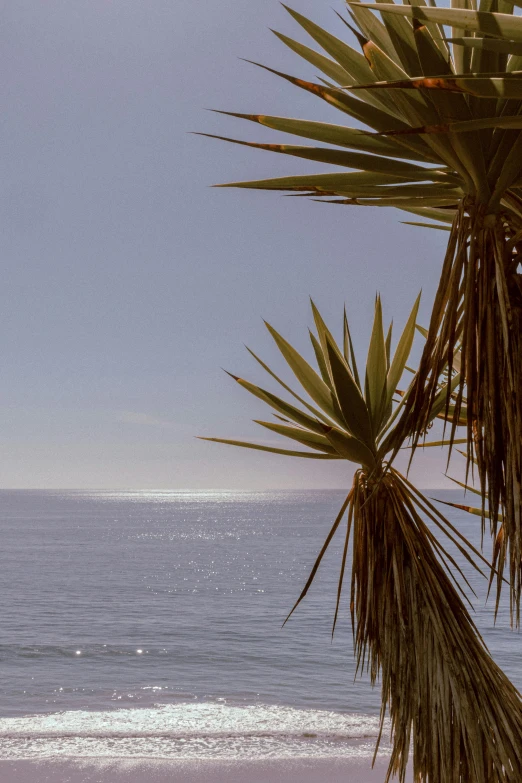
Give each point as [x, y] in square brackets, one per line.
[444, 693]
[479, 303]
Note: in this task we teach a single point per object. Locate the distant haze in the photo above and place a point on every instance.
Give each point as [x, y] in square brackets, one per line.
[127, 282]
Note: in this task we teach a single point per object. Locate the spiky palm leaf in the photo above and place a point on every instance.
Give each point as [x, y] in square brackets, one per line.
[444, 142]
[444, 693]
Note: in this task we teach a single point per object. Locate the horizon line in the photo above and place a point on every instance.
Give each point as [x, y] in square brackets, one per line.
[194, 490]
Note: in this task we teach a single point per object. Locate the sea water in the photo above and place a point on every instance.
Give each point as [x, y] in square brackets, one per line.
[148, 623]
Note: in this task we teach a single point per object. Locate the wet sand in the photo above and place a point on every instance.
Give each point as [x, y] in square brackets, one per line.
[166, 771]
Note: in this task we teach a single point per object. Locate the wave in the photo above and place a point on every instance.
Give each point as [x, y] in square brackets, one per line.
[188, 719]
[190, 731]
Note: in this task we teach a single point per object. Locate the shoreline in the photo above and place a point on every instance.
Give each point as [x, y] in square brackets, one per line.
[125, 770]
[192, 743]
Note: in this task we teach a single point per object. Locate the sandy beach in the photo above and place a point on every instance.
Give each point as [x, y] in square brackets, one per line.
[165, 771]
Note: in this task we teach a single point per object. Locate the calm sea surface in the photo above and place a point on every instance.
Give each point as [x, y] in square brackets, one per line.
[137, 623]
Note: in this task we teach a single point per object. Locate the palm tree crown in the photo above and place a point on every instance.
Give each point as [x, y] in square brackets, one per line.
[445, 695]
[438, 92]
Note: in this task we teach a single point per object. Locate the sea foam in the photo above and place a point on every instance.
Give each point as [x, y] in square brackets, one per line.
[190, 731]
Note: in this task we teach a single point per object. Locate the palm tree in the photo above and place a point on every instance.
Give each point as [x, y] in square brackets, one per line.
[442, 141]
[444, 693]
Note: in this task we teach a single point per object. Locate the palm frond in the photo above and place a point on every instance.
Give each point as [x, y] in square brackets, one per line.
[442, 140]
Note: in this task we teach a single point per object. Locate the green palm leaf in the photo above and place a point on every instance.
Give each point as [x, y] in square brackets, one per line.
[506, 87]
[353, 160]
[273, 450]
[307, 377]
[402, 352]
[496, 25]
[488, 45]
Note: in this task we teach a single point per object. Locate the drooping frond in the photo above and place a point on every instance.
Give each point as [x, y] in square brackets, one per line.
[410, 623]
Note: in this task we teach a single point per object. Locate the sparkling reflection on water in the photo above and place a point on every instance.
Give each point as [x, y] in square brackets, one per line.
[136, 598]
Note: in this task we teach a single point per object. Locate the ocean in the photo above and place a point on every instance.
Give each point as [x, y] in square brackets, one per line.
[148, 623]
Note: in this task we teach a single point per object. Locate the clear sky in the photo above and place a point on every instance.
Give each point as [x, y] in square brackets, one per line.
[127, 282]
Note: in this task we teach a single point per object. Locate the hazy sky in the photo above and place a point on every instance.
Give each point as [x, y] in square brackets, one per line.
[127, 282]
